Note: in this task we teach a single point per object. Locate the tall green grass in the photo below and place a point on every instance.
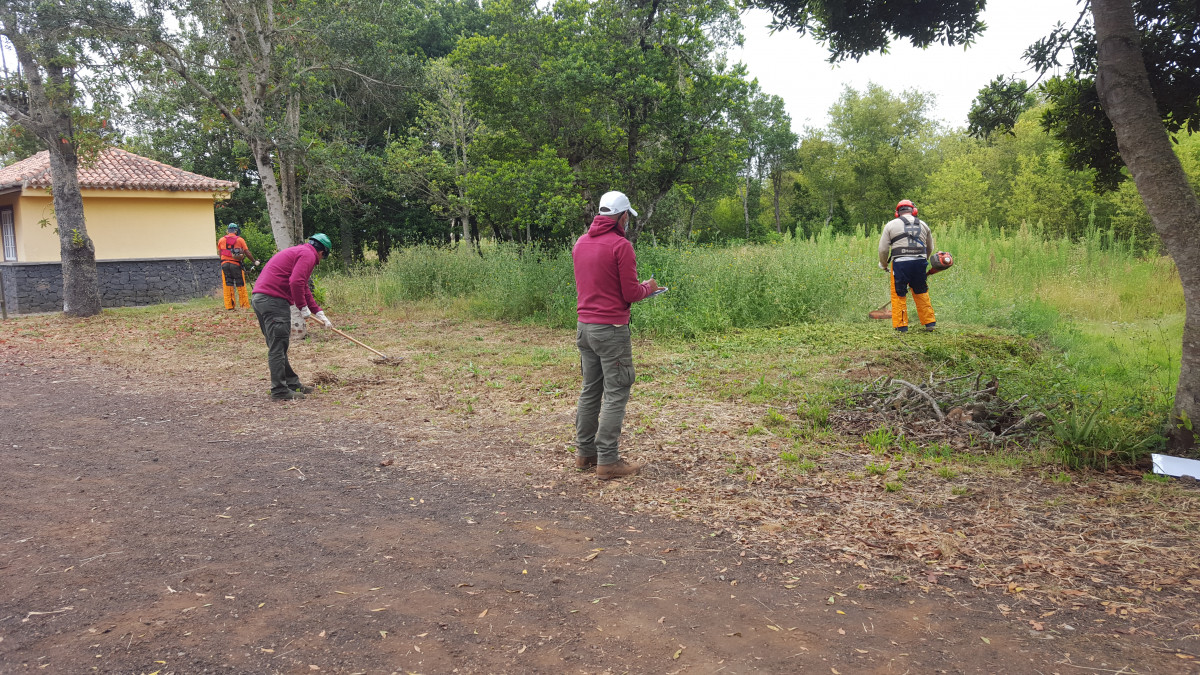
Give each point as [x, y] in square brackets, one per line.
[1014, 280]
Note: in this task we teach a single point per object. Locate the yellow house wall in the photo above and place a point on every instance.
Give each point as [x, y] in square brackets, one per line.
[122, 224]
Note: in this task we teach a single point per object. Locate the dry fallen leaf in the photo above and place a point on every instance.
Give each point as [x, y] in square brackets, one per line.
[774, 628]
[841, 631]
[985, 640]
[678, 653]
[521, 650]
[483, 613]
[591, 556]
[268, 651]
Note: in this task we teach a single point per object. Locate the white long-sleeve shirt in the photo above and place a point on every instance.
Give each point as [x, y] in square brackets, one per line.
[895, 228]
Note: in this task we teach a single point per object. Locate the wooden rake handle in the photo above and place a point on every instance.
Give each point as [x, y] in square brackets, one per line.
[376, 351]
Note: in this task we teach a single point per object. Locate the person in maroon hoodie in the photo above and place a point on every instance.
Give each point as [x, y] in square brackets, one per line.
[606, 284]
[281, 288]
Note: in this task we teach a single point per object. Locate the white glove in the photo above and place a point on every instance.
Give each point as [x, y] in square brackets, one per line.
[305, 312]
[299, 327]
[883, 267]
[323, 319]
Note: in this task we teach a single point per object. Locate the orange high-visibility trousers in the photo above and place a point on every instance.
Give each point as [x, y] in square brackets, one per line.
[900, 305]
[233, 282]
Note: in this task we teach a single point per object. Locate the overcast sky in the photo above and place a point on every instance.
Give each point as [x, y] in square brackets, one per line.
[795, 68]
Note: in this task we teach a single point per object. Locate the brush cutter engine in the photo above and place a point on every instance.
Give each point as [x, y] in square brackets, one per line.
[941, 261]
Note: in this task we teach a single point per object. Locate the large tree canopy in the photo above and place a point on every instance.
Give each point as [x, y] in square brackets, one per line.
[1170, 38]
[855, 29]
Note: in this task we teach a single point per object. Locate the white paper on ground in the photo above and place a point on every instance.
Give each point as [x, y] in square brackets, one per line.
[1176, 466]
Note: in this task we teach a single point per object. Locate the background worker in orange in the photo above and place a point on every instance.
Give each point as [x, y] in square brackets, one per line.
[234, 252]
[907, 243]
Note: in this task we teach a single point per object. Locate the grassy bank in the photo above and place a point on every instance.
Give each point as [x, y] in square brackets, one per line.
[1105, 324]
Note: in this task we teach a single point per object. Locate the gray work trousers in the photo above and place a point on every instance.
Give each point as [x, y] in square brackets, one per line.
[275, 320]
[606, 359]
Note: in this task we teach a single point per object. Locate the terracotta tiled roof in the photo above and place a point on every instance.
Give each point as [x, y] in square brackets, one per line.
[114, 170]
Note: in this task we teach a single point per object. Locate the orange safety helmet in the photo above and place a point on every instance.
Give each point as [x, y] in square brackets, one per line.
[909, 204]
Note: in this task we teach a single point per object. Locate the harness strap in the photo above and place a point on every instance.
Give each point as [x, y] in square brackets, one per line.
[912, 232]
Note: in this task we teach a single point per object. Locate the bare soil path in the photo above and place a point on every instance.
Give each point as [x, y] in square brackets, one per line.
[137, 536]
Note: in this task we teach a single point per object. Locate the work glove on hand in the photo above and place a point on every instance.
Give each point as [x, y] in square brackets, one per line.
[883, 267]
[323, 319]
[299, 329]
[305, 312]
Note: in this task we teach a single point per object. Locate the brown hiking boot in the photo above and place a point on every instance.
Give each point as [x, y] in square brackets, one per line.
[617, 469]
[584, 463]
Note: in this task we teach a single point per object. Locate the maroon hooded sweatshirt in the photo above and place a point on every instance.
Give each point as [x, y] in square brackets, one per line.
[606, 274]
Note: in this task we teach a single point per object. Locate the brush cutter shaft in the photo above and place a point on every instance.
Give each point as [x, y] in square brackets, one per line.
[379, 353]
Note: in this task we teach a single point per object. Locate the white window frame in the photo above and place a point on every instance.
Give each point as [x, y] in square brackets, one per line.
[8, 233]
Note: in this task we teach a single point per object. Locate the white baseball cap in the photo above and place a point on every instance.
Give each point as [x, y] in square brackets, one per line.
[615, 203]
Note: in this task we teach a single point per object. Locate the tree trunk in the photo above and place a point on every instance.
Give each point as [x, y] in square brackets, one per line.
[290, 155]
[634, 230]
[746, 204]
[776, 184]
[346, 239]
[1127, 99]
[81, 294]
[280, 227]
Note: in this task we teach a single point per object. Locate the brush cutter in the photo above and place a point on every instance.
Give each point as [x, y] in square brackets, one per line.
[941, 262]
[382, 359]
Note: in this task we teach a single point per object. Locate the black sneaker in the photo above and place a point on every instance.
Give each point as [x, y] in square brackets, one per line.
[929, 327]
[303, 389]
[288, 396]
[902, 329]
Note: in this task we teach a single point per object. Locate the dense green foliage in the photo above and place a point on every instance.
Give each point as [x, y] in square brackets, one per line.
[434, 123]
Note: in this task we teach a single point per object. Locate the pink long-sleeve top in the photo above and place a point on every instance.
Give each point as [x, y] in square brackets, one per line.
[286, 276]
[606, 274]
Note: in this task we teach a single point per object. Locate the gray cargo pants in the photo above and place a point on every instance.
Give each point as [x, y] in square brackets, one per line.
[606, 359]
[275, 320]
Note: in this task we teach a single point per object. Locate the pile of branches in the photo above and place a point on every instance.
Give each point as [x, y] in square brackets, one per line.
[953, 409]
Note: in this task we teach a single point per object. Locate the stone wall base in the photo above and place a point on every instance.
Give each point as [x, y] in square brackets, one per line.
[37, 287]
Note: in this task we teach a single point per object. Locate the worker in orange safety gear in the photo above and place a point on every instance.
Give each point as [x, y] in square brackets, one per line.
[907, 243]
[234, 254]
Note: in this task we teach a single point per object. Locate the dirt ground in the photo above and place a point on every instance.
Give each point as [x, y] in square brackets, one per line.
[164, 517]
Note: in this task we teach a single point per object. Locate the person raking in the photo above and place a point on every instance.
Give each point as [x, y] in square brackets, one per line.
[606, 285]
[281, 288]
